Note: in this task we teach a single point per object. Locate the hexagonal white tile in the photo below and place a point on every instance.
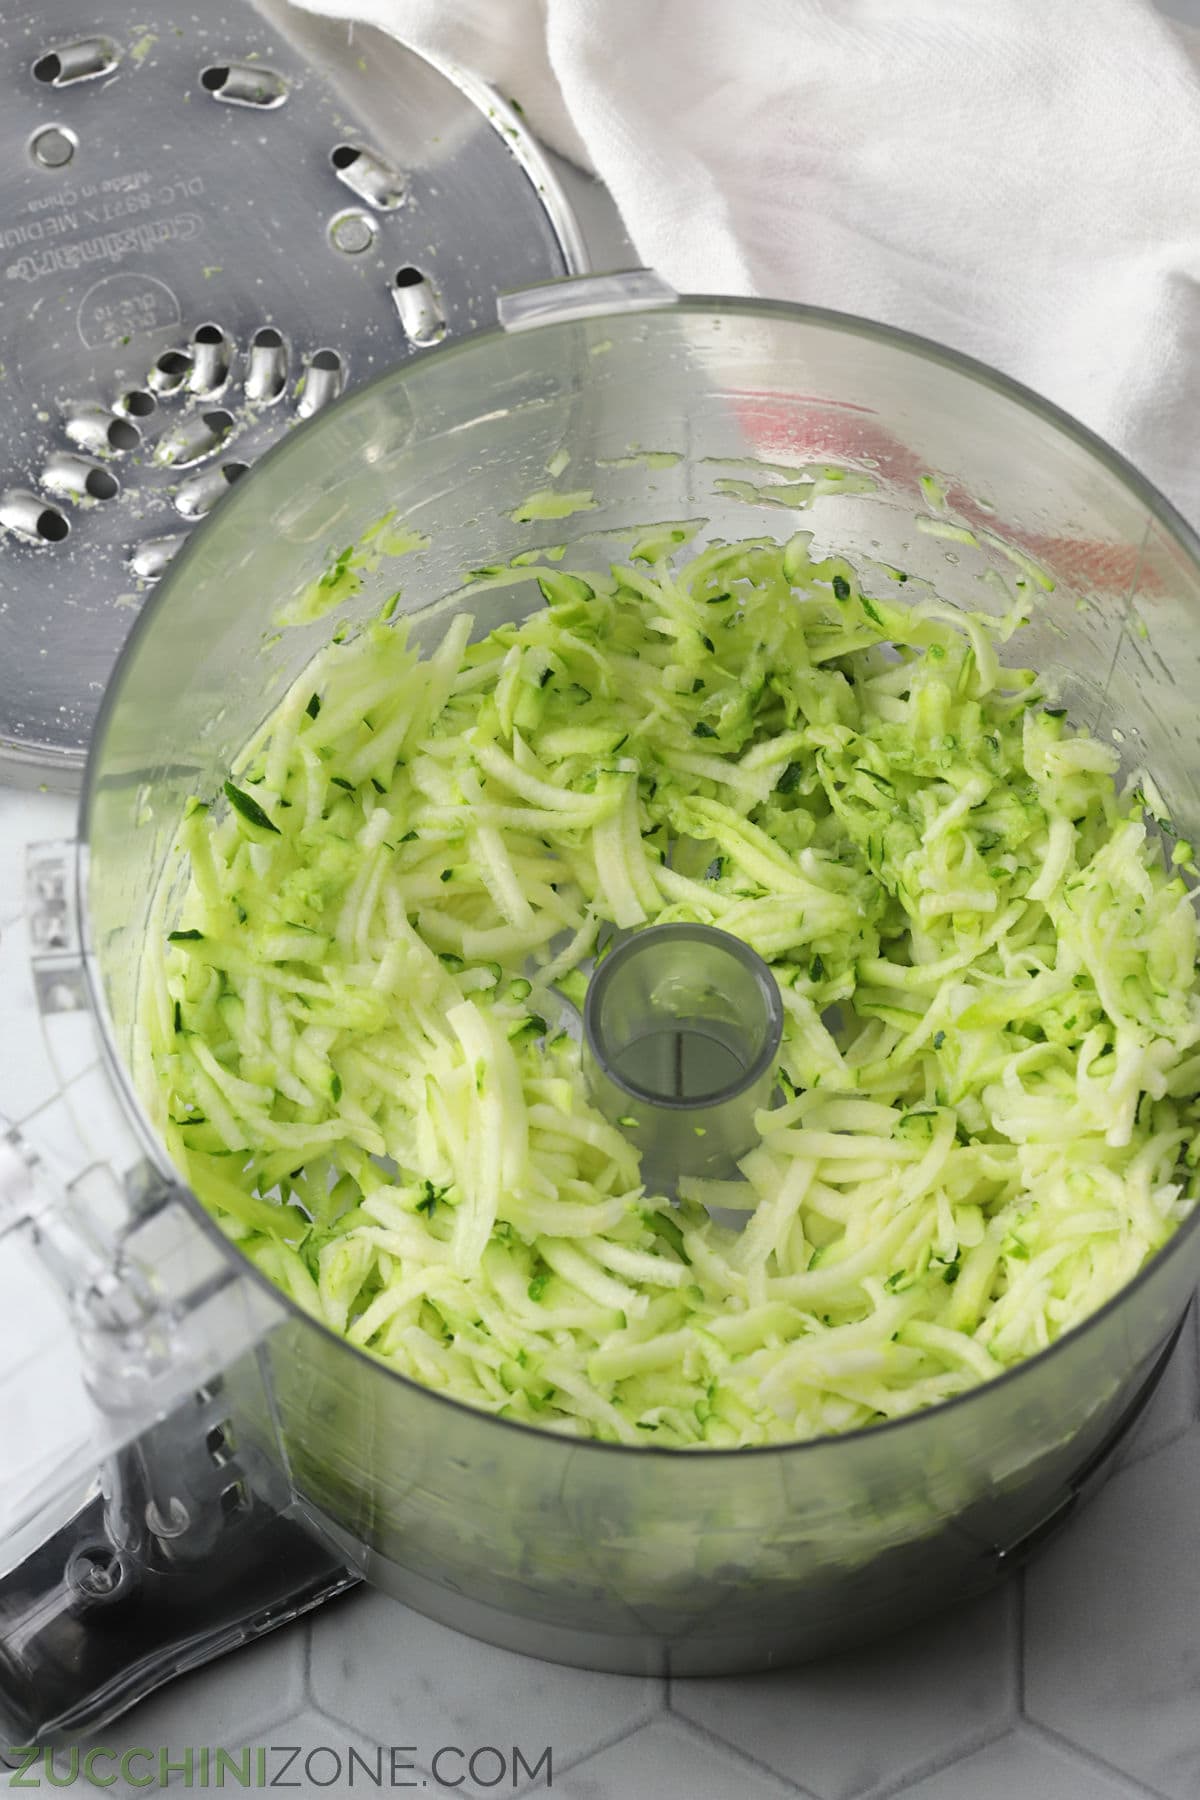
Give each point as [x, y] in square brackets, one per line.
[374, 1660]
[664, 1761]
[1112, 1650]
[1021, 1767]
[312, 1755]
[864, 1720]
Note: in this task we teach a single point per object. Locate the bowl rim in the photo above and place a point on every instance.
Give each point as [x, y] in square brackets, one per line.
[1161, 511]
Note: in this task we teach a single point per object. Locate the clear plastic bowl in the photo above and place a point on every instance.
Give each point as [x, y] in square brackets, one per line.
[612, 1558]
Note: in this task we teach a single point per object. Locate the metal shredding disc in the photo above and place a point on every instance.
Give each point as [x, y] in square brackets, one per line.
[211, 223]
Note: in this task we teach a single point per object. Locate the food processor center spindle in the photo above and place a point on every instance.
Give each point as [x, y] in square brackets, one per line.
[682, 1025]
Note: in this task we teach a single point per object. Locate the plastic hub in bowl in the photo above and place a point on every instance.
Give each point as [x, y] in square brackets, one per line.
[682, 1025]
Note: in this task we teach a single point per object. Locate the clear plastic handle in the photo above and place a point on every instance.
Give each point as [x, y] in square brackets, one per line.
[47, 1421]
[122, 1308]
[583, 297]
[137, 1538]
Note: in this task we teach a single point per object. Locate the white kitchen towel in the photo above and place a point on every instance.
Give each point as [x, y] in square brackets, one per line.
[1017, 178]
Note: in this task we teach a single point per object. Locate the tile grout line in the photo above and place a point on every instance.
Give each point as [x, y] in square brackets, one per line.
[356, 1737]
[1058, 1740]
[335, 1718]
[58, 1098]
[630, 1729]
[1163, 1443]
[988, 1734]
[706, 1736]
[609, 1743]
[894, 1790]
[967, 1746]
[340, 1724]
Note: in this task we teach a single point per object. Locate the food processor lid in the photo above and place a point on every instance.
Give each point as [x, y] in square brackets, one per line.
[205, 240]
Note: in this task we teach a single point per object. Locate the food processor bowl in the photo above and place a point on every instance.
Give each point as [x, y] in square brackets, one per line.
[738, 418]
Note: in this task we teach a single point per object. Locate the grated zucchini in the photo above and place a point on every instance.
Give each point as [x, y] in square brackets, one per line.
[988, 973]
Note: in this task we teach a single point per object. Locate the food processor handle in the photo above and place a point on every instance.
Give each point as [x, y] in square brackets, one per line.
[137, 1540]
[128, 1591]
[582, 297]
